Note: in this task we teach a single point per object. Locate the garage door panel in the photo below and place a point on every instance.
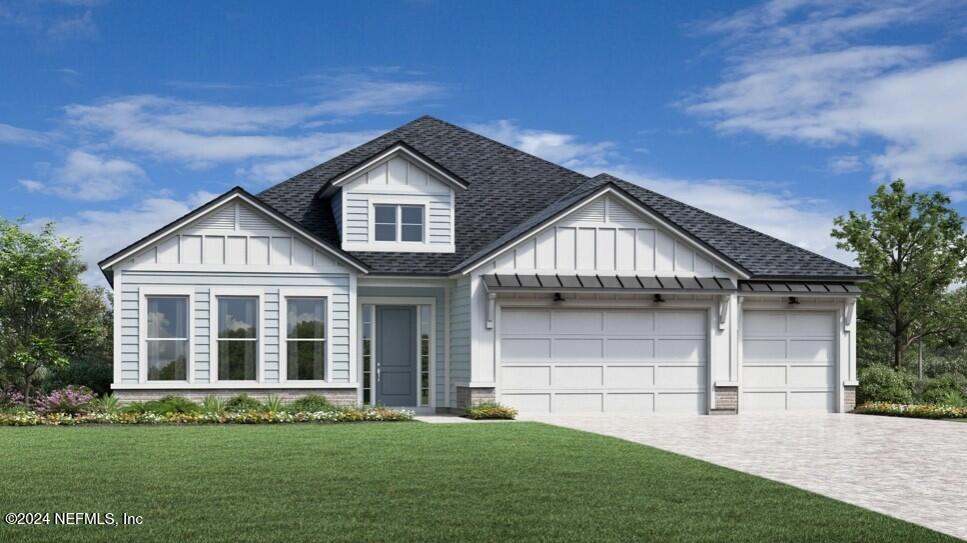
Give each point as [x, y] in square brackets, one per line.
[630, 404]
[525, 321]
[629, 376]
[685, 403]
[788, 361]
[577, 322]
[764, 376]
[763, 401]
[528, 403]
[687, 377]
[819, 350]
[811, 401]
[810, 324]
[568, 403]
[525, 349]
[577, 376]
[618, 349]
[578, 349]
[764, 349]
[604, 360]
[811, 376]
[680, 323]
[680, 350]
[515, 377]
[629, 322]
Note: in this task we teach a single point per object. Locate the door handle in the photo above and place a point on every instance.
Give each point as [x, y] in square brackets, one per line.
[377, 372]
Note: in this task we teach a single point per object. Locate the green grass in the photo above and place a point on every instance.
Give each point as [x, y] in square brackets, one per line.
[402, 482]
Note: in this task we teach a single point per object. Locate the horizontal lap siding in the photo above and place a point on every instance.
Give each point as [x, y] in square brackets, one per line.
[202, 283]
[460, 335]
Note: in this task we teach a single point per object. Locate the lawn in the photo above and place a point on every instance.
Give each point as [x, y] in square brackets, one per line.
[402, 482]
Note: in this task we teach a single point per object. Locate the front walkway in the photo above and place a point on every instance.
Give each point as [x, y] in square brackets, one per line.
[915, 470]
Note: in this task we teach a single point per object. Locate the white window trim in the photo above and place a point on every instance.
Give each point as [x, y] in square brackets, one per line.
[250, 292]
[425, 205]
[307, 292]
[143, 294]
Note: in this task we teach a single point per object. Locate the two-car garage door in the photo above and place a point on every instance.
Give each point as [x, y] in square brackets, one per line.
[631, 361]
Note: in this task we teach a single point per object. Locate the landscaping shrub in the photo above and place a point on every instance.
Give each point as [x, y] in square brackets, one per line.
[11, 397]
[105, 404]
[273, 404]
[71, 400]
[134, 408]
[947, 389]
[310, 403]
[213, 405]
[242, 403]
[882, 384]
[922, 411]
[172, 404]
[490, 411]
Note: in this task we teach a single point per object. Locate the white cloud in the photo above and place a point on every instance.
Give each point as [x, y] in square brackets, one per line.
[564, 149]
[797, 72]
[846, 163]
[103, 233]
[799, 221]
[85, 176]
[12, 134]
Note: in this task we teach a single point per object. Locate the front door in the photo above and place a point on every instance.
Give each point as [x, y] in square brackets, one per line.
[396, 355]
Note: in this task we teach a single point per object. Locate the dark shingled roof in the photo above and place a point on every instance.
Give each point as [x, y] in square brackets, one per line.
[511, 191]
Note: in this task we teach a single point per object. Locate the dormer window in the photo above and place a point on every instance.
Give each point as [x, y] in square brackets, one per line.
[398, 223]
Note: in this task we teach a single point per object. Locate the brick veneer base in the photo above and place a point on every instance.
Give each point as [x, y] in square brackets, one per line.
[467, 396]
[849, 398]
[336, 396]
[726, 401]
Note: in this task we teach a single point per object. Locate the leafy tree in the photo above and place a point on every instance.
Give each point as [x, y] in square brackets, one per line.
[913, 244]
[47, 314]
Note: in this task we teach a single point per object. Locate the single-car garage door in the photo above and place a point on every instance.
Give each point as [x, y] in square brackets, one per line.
[630, 361]
[789, 361]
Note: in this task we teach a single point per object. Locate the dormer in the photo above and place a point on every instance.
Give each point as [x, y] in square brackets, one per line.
[397, 201]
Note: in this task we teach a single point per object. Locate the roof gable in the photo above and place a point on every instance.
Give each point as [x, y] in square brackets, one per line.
[382, 163]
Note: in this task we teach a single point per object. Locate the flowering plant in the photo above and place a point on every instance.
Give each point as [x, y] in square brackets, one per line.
[10, 397]
[923, 411]
[349, 414]
[72, 400]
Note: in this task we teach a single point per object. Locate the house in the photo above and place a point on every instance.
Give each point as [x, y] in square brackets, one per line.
[434, 268]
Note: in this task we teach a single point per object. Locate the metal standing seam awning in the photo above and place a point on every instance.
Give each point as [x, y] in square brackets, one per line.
[554, 282]
[797, 288]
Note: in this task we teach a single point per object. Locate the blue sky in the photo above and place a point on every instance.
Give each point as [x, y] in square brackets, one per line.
[116, 117]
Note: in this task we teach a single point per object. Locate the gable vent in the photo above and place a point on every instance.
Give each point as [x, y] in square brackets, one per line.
[250, 219]
[618, 213]
[593, 212]
[220, 219]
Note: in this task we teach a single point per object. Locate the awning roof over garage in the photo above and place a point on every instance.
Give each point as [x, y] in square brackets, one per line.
[499, 281]
[796, 288]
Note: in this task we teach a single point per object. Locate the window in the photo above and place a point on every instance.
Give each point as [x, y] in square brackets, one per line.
[368, 323]
[424, 339]
[398, 223]
[305, 339]
[166, 338]
[237, 338]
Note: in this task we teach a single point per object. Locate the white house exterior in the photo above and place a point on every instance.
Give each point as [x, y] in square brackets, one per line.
[432, 268]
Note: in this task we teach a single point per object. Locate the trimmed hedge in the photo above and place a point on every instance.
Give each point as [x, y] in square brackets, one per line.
[353, 414]
[492, 411]
[921, 411]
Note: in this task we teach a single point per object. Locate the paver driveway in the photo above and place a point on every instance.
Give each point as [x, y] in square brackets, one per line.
[915, 470]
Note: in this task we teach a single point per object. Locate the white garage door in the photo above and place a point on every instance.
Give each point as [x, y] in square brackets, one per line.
[789, 361]
[603, 361]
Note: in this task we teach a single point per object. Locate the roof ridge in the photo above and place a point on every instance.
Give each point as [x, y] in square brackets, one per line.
[742, 226]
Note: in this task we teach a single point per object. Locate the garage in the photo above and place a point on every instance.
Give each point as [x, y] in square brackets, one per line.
[788, 361]
[589, 361]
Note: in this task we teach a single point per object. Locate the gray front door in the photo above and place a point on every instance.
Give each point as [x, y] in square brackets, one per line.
[396, 355]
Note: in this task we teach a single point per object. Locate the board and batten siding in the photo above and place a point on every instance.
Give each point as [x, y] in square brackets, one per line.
[606, 236]
[395, 181]
[204, 353]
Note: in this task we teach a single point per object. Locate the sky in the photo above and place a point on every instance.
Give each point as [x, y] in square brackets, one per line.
[118, 117]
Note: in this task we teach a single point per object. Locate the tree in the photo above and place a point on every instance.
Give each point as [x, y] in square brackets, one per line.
[913, 245]
[47, 314]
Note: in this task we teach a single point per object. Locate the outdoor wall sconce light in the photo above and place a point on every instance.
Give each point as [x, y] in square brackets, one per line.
[793, 300]
[558, 297]
[658, 299]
